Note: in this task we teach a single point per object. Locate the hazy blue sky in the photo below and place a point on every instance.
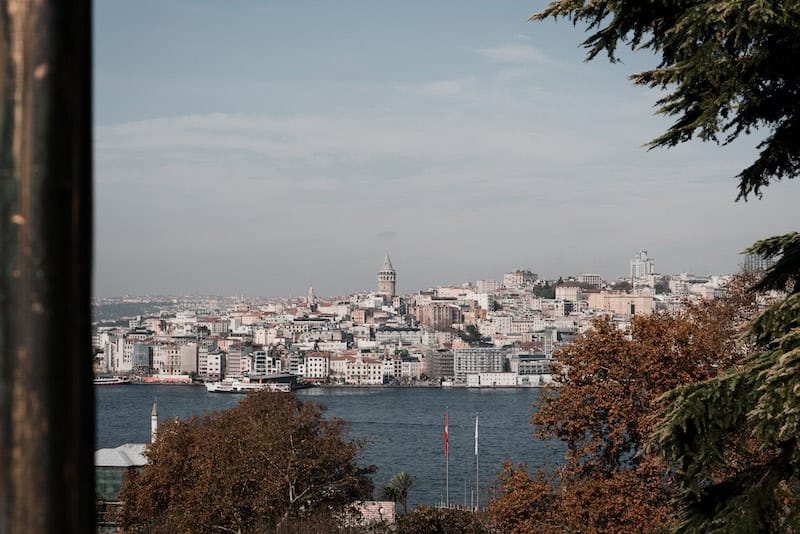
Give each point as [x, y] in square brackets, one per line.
[259, 147]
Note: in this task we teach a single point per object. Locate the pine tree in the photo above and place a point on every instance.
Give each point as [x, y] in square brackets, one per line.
[751, 408]
[730, 68]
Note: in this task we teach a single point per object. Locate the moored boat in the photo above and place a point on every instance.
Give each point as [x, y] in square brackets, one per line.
[235, 386]
[111, 380]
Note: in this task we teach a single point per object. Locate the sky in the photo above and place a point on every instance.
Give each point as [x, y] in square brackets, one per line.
[261, 147]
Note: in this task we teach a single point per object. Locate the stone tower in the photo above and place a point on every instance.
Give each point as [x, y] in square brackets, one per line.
[386, 278]
[153, 422]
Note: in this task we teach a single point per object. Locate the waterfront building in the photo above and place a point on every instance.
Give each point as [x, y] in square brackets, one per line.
[530, 364]
[491, 380]
[166, 359]
[188, 358]
[235, 365]
[264, 364]
[393, 367]
[337, 368]
[142, 357]
[363, 370]
[317, 365]
[215, 365]
[471, 360]
[411, 369]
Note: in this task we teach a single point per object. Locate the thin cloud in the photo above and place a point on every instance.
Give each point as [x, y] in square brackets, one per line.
[515, 54]
[444, 87]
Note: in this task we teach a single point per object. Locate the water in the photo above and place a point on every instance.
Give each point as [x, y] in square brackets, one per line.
[404, 428]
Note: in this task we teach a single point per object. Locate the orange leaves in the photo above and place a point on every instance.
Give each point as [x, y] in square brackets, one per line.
[603, 410]
[270, 459]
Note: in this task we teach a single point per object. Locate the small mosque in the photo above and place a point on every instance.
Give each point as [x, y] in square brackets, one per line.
[110, 467]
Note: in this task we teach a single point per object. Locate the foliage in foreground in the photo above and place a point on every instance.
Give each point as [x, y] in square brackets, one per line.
[268, 463]
[754, 405]
[729, 67]
[609, 385]
[428, 520]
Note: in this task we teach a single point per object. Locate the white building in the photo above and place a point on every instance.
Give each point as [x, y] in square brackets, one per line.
[487, 286]
[473, 360]
[317, 366]
[641, 265]
[569, 292]
[491, 380]
[215, 364]
[519, 278]
[590, 279]
[393, 367]
[363, 370]
[264, 364]
[411, 369]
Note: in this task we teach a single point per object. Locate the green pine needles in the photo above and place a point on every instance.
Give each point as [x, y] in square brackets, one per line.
[733, 440]
[728, 68]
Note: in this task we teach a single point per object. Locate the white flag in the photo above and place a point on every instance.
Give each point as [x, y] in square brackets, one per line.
[476, 434]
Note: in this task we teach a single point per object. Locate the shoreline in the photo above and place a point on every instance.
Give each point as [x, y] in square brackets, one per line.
[338, 386]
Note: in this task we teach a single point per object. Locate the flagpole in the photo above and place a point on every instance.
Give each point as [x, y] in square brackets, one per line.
[477, 475]
[446, 461]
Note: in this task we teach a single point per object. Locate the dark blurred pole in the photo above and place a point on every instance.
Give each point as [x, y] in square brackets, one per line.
[46, 395]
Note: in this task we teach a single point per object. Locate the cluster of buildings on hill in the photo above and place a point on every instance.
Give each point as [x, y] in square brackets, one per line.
[489, 333]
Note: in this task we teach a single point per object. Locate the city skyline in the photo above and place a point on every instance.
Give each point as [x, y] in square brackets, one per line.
[264, 148]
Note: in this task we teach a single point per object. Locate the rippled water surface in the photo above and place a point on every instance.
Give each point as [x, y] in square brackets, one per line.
[404, 428]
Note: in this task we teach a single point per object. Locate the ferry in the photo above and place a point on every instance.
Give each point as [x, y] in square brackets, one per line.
[111, 380]
[235, 386]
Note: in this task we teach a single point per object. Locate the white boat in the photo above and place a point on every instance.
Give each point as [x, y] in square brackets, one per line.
[111, 380]
[235, 386]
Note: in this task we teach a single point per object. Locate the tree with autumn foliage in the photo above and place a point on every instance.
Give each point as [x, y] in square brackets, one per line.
[261, 466]
[753, 406]
[608, 385]
[727, 69]
[429, 520]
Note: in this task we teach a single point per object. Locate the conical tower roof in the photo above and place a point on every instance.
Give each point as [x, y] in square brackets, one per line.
[387, 264]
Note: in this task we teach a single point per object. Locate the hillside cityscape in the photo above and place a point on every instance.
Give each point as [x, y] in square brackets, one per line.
[487, 333]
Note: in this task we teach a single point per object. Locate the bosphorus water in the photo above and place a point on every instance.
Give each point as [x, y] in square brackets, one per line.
[404, 429]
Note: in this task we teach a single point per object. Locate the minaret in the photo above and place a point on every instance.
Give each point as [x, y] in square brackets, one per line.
[311, 299]
[386, 278]
[153, 422]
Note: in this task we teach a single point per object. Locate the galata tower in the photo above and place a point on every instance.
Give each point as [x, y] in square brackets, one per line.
[386, 278]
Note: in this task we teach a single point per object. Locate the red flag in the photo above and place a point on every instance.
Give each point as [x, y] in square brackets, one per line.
[446, 439]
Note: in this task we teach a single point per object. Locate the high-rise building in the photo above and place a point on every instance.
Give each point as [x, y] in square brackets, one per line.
[387, 278]
[642, 265]
[755, 263]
